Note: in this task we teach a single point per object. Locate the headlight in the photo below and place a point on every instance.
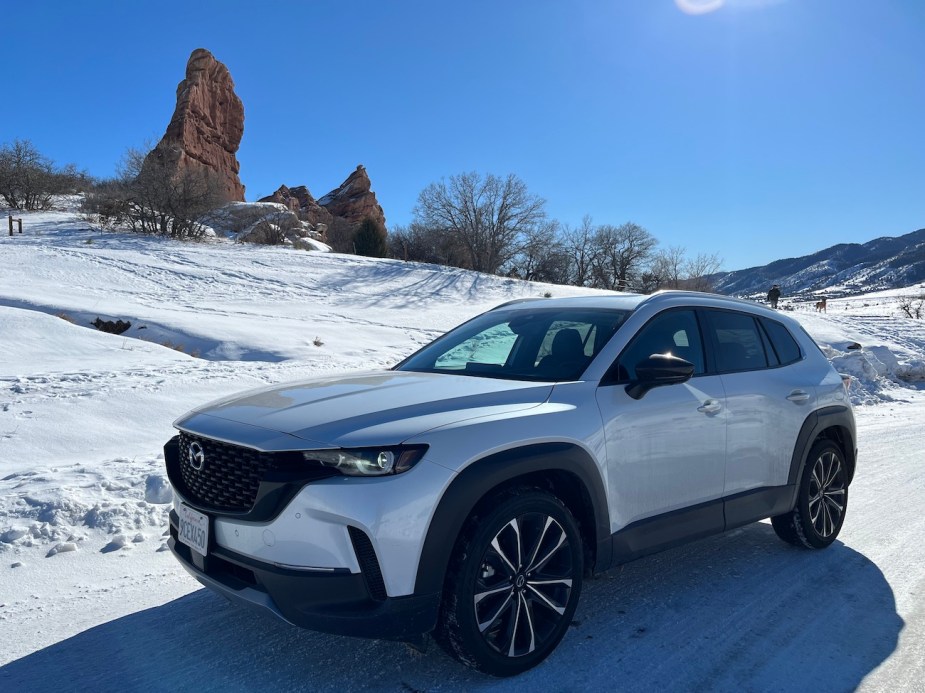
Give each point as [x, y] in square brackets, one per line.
[368, 461]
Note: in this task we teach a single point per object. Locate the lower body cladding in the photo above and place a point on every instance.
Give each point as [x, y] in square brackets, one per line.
[333, 600]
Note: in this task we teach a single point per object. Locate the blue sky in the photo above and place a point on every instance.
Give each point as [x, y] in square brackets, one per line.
[760, 130]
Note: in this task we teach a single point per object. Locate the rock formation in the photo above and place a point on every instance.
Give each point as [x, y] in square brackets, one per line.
[351, 202]
[300, 200]
[206, 128]
[354, 200]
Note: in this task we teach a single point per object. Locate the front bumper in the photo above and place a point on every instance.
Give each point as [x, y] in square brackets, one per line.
[331, 601]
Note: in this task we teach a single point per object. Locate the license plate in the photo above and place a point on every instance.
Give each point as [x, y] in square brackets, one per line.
[194, 529]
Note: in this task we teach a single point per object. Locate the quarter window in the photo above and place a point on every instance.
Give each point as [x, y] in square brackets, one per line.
[788, 351]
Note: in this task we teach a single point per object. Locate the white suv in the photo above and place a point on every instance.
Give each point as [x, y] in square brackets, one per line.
[467, 491]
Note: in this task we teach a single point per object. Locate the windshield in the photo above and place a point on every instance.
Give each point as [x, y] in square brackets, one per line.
[546, 344]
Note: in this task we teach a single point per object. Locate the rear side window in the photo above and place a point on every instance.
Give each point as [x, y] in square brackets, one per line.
[739, 345]
[786, 347]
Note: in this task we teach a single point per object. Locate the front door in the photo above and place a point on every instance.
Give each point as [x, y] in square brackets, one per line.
[666, 451]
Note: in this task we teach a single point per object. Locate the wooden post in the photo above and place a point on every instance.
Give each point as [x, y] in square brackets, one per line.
[19, 221]
[11, 224]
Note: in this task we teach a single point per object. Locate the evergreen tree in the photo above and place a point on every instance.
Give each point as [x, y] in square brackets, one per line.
[369, 240]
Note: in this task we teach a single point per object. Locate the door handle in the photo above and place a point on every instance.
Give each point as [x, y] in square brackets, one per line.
[711, 406]
[798, 396]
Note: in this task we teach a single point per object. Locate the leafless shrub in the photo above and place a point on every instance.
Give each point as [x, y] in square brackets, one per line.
[912, 306]
[418, 243]
[150, 197]
[274, 229]
[30, 180]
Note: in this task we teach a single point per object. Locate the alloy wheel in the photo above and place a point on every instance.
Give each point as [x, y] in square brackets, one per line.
[523, 584]
[827, 494]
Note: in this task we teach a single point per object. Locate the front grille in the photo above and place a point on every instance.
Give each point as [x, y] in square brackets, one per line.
[230, 474]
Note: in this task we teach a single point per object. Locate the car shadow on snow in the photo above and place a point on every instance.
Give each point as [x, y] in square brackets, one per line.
[737, 612]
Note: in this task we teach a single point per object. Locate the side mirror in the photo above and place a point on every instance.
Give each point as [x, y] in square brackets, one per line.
[658, 370]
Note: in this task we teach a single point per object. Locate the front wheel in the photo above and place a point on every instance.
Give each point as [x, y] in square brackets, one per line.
[821, 501]
[513, 583]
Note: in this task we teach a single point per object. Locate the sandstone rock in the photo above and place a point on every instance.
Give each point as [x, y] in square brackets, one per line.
[345, 206]
[354, 200]
[300, 200]
[207, 125]
[283, 196]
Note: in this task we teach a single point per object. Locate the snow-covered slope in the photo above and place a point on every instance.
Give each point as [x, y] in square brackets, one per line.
[89, 599]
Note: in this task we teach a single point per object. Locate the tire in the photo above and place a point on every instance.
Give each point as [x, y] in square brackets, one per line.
[513, 583]
[822, 500]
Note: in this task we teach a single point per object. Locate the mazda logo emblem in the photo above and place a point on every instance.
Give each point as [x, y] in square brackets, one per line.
[195, 456]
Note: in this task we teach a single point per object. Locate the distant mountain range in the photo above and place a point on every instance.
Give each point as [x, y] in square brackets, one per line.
[843, 269]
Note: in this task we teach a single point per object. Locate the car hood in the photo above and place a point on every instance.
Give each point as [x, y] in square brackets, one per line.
[367, 409]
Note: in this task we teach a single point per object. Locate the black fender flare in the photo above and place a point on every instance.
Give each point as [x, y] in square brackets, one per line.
[836, 417]
[481, 477]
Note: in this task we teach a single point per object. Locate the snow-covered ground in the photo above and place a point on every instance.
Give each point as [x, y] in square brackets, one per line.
[89, 598]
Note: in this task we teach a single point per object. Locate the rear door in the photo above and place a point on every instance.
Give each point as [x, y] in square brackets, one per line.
[768, 397]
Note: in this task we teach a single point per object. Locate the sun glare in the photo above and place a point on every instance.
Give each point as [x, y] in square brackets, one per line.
[707, 6]
[699, 6]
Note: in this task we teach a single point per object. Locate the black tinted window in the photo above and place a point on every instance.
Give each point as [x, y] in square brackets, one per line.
[674, 332]
[738, 342]
[788, 351]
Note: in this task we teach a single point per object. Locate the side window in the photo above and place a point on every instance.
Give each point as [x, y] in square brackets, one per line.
[739, 345]
[673, 332]
[788, 351]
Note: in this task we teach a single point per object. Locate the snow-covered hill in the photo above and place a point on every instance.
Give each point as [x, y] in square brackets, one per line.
[89, 598]
[847, 268]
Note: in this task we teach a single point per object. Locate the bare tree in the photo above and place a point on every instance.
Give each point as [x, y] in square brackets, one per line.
[698, 271]
[578, 244]
[490, 215]
[912, 307]
[672, 269]
[157, 199]
[542, 257]
[667, 269]
[622, 253]
[29, 179]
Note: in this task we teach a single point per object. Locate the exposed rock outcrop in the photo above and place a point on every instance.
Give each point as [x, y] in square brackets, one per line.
[206, 128]
[267, 223]
[300, 200]
[352, 202]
